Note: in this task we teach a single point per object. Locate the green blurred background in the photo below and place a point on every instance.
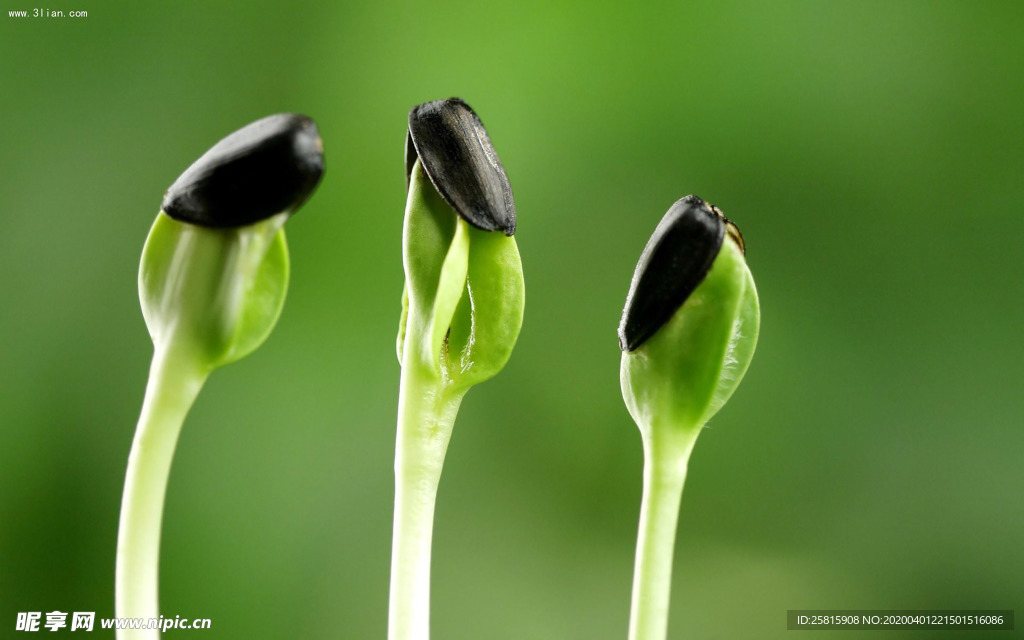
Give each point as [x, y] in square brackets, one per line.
[872, 153]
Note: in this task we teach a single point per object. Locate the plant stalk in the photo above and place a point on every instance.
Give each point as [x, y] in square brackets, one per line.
[665, 461]
[174, 383]
[426, 414]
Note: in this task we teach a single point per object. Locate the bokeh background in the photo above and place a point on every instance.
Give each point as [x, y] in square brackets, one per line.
[871, 151]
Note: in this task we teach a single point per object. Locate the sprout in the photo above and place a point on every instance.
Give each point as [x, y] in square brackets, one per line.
[212, 282]
[688, 333]
[462, 311]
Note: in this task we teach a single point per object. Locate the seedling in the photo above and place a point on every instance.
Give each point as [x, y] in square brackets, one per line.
[462, 309]
[212, 283]
[687, 336]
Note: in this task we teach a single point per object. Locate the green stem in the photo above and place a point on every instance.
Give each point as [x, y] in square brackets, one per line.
[426, 413]
[665, 460]
[174, 383]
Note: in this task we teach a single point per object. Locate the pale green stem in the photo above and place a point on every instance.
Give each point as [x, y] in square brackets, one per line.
[174, 383]
[665, 460]
[426, 413]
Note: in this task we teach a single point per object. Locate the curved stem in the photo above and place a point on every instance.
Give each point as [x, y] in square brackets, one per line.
[665, 461]
[174, 383]
[426, 413]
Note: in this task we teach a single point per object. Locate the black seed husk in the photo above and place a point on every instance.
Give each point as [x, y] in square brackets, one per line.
[673, 264]
[453, 147]
[265, 168]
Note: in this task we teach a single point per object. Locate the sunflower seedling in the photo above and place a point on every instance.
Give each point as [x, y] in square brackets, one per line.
[212, 283]
[687, 336]
[462, 309]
